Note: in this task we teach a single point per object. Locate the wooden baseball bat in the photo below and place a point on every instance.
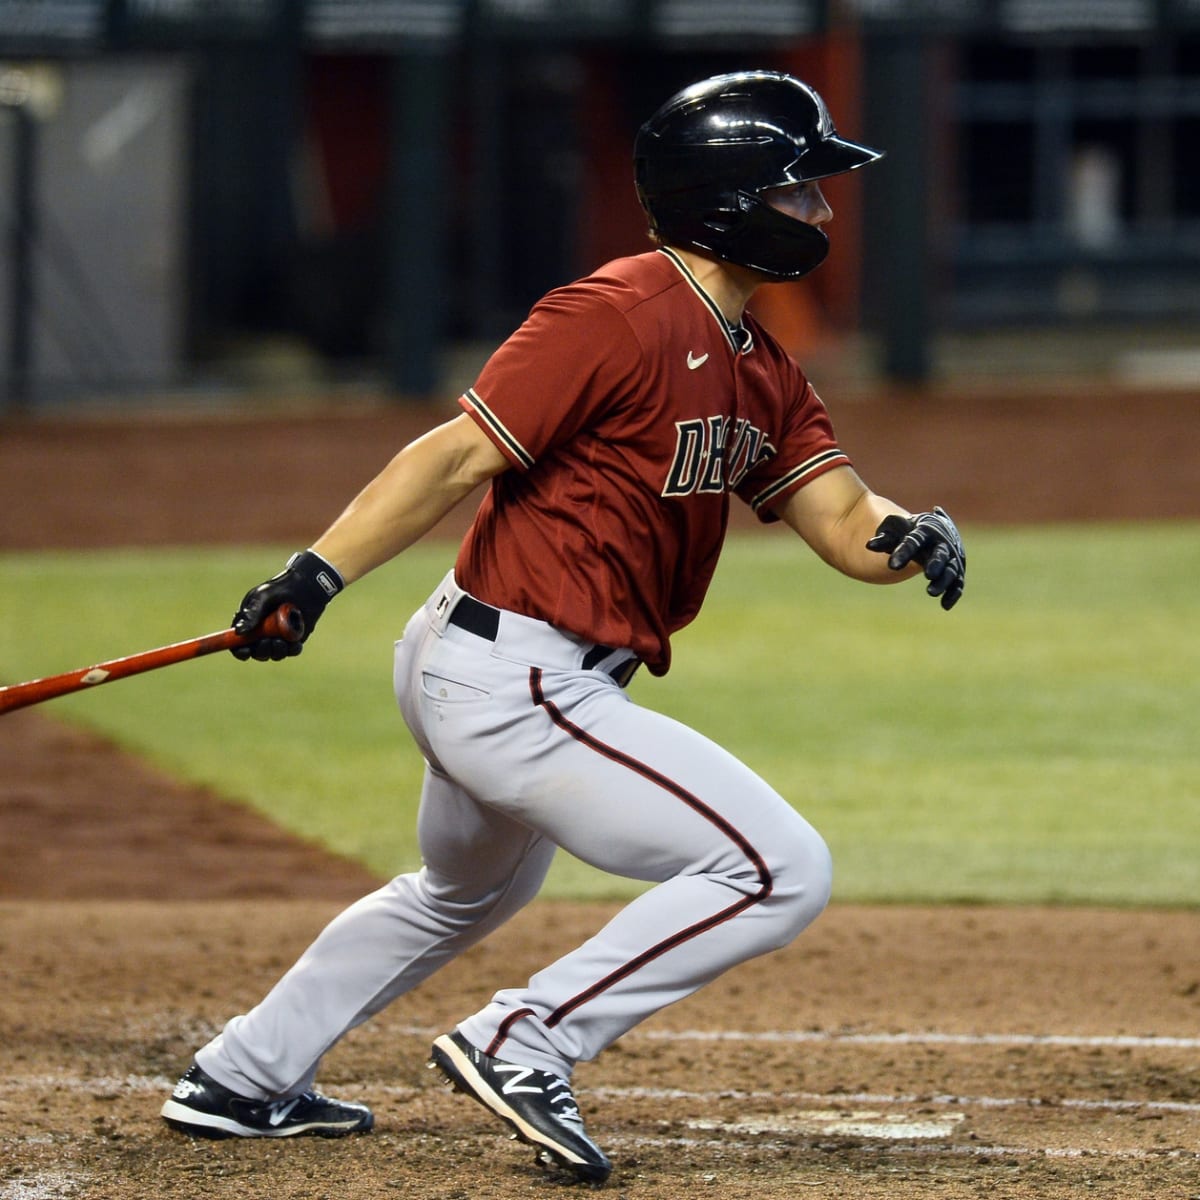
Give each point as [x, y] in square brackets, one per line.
[285, 622]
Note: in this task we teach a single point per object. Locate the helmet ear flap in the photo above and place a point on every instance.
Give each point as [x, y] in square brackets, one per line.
[726, 220]
[779, 246]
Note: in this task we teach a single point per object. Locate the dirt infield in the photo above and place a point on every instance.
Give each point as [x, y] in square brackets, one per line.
[892, 1052]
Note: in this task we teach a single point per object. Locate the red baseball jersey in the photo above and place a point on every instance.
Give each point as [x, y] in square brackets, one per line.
[630, 409]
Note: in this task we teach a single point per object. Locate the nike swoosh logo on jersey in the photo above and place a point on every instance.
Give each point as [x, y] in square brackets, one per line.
[694, 362]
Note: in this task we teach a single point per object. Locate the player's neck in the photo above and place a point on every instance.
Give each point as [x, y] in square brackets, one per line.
[729, 285]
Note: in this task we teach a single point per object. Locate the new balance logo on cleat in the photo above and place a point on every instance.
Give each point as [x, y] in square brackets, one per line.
[539, 1107]
[518, 1075]
[202, 1107]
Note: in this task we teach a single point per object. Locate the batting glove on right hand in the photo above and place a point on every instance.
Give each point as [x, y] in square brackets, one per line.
[931, 539]
[308, 583]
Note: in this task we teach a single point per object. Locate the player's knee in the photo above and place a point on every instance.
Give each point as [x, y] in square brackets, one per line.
[801, 881]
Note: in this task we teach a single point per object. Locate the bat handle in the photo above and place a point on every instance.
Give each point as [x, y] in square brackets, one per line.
[286, 622]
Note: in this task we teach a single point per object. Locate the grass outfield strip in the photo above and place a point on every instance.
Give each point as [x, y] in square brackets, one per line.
[1036, 744]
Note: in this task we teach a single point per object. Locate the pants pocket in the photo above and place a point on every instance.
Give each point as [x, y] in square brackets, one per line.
[442, 689]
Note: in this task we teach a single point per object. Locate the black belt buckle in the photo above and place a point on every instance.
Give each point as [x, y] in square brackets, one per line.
[622, 673]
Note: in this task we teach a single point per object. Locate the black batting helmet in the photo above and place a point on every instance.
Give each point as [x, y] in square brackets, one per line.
[702, 162]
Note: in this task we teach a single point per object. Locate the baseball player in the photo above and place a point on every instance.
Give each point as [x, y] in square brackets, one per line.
[614, 426]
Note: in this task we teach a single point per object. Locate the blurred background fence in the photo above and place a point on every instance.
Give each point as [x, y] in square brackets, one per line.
[206, 193]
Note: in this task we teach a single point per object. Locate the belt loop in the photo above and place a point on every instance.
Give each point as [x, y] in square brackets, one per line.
[594, 656]
[440, 606]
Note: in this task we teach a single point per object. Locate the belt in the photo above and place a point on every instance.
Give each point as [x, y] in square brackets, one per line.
[484, 621]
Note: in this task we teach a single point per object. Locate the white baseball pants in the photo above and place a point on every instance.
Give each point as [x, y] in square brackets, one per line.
[526, 751]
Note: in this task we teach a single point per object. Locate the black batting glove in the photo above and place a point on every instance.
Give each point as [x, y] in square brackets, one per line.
[932, 540]
[308, 582]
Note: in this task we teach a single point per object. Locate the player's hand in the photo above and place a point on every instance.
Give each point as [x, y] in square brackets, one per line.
[308, 582]
[932, 540]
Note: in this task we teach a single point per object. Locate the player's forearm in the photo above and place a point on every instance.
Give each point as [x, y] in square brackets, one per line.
[378, 524]
[837, 514]
[852, 533]
[408, 498]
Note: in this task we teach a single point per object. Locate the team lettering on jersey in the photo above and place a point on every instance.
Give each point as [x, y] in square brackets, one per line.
[714, 454]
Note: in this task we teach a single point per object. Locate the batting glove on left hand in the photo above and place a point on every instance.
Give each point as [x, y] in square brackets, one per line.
[931, 539]
[308, 583]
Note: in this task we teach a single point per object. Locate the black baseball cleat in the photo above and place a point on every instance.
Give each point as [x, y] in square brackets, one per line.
[537, 1105]
[202, 1107]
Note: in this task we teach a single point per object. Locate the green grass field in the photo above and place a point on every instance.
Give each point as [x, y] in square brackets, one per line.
[1037, 744]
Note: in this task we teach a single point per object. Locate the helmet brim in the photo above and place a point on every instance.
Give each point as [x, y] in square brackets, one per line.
[831, 156]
